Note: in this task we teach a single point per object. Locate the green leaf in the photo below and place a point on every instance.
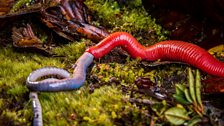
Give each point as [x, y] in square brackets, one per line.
[191, 85]
[194, 121]
[176, 115]
[187, 95]
[198, 88]
[181, 99]
[180, 89]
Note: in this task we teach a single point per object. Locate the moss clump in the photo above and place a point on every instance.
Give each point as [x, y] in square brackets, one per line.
[131, 18]
[71, 51]
[126, 73]
[102, 107]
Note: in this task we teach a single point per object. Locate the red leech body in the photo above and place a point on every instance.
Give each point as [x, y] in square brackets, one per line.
[166, 50]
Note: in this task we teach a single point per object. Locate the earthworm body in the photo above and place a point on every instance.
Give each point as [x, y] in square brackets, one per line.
[37, 121]
[67, 83]
[166, 50]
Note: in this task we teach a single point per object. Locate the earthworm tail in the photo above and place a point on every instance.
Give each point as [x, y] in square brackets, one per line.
[68, 83]
[166, 50]
[37, 121]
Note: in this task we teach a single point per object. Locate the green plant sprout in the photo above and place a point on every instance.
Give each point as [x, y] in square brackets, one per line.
[191, 98]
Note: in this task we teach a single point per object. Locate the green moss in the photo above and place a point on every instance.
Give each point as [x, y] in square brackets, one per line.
[72, 51]
[102, 107]
[20, 117]
[123, 72]
[131, 18]
[19, 4]
[18, 90]
[105, 9]
[1, 102]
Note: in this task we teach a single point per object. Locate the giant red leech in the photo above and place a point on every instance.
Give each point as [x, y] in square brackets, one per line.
[166, 50]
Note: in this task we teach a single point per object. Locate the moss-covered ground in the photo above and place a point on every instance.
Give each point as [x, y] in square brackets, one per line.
[108, 94]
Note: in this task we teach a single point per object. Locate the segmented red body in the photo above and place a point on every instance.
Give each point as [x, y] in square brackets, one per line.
[166, 50]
